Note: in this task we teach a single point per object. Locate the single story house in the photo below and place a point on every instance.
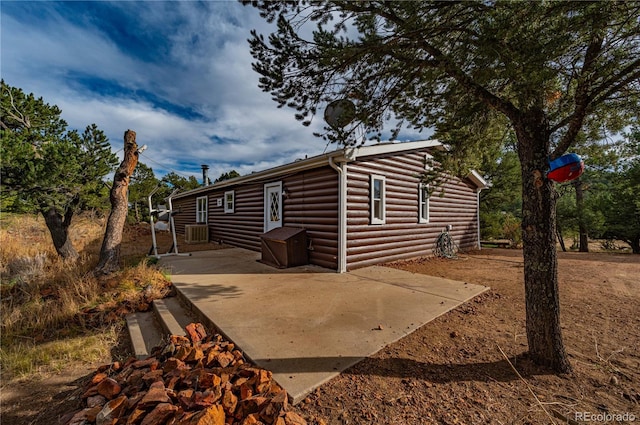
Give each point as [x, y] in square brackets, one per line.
[359, 206]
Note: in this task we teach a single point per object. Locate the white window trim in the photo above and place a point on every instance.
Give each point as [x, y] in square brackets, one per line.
[383, 207]
[202, 213]
[427, 161]
[423, 202]
[227, 209]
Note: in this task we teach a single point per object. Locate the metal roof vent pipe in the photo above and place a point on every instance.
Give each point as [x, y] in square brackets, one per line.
[205, 174]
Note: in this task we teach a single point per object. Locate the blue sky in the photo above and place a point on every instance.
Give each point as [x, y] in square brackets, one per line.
[178, 73]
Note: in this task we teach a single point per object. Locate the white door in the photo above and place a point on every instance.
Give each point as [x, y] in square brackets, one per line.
[273, 206]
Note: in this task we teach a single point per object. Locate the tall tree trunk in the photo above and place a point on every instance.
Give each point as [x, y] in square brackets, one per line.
[582, 226]
[635, 244]
[560, 237]
[544, 335]
[58, 226]
[110, 251]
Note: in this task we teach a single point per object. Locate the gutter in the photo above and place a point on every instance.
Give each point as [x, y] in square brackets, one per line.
[342, 213]
[481, 184]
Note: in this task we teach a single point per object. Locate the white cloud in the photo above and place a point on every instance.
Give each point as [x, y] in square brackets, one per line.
[205, 67]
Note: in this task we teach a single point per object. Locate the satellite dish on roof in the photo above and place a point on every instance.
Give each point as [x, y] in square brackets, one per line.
[339, 113]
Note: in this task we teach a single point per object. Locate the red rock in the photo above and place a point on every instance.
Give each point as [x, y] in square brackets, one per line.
[212, 354]
[246, 391]
[216, 380]
[139, 364]
[224, 359]
[160, 414]
[93, 413]
[183, 352]
[152, 376]
[277, 405]
[96, 400]
[292, 418]
[229, 402]
[213, 415]
[178, 339]
[99, 377]
[207, 398]
[253, 404]
[112, 410]
[196, 332]
[78, 418]
[109, 388]
[91, 391]
[252, 419]
[136, 417]
[263, 383]
[156, 394]
[173, 364]
[195, 355]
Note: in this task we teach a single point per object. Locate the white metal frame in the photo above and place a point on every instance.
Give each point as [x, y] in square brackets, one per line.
[172, 225]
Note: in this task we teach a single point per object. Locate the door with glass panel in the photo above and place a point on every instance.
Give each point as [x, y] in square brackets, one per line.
[272, 206]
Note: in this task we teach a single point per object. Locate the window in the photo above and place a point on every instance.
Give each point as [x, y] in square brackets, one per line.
[229, 198]
[201, 209]
[377, 199]
[423, 203]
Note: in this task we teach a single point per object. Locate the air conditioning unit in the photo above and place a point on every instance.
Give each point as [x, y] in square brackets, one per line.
[196, 233]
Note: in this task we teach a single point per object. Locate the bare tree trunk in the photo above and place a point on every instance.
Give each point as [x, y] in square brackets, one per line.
[560, 237]
[137, 211]
[582, 226]
[542, 298]
[59, 229]
[110, 251]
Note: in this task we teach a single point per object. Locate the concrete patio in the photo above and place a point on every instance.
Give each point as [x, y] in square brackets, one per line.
[307, 324]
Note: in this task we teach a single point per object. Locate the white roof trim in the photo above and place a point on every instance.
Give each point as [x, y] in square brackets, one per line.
[340, 155]
[477, 179]
[382, 148]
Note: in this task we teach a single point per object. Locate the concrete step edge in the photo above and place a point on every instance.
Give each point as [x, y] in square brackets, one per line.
[172, 315]
[144, 333]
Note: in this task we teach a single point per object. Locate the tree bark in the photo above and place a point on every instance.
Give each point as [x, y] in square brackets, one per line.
[58, 226]
[582, 226]
[560, 237]
[544, 335]
[110, 251]
[635, 244]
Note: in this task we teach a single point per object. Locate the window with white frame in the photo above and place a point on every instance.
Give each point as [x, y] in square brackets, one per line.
[423, 203]
[377, 199]
[201, 209]
[229, 201]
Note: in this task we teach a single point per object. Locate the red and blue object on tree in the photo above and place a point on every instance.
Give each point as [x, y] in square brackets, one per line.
[566, 168]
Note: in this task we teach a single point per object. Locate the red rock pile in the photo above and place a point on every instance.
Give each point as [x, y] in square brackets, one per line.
[194, 380]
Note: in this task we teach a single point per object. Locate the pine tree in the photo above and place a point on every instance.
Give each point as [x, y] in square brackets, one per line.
[546, 68]
[46, 168]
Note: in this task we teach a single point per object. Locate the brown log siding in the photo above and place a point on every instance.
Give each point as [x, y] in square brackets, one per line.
[402, 236]
[311, 202]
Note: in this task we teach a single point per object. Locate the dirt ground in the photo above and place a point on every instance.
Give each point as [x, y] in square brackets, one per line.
[451, 371]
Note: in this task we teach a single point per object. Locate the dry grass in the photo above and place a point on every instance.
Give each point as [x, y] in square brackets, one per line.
[54, 312]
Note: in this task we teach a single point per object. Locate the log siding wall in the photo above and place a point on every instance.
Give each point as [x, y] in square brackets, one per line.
[311, 202]
[402, 236]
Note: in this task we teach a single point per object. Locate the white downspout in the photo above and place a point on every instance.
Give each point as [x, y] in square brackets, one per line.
[342, 213]
[478, 215]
